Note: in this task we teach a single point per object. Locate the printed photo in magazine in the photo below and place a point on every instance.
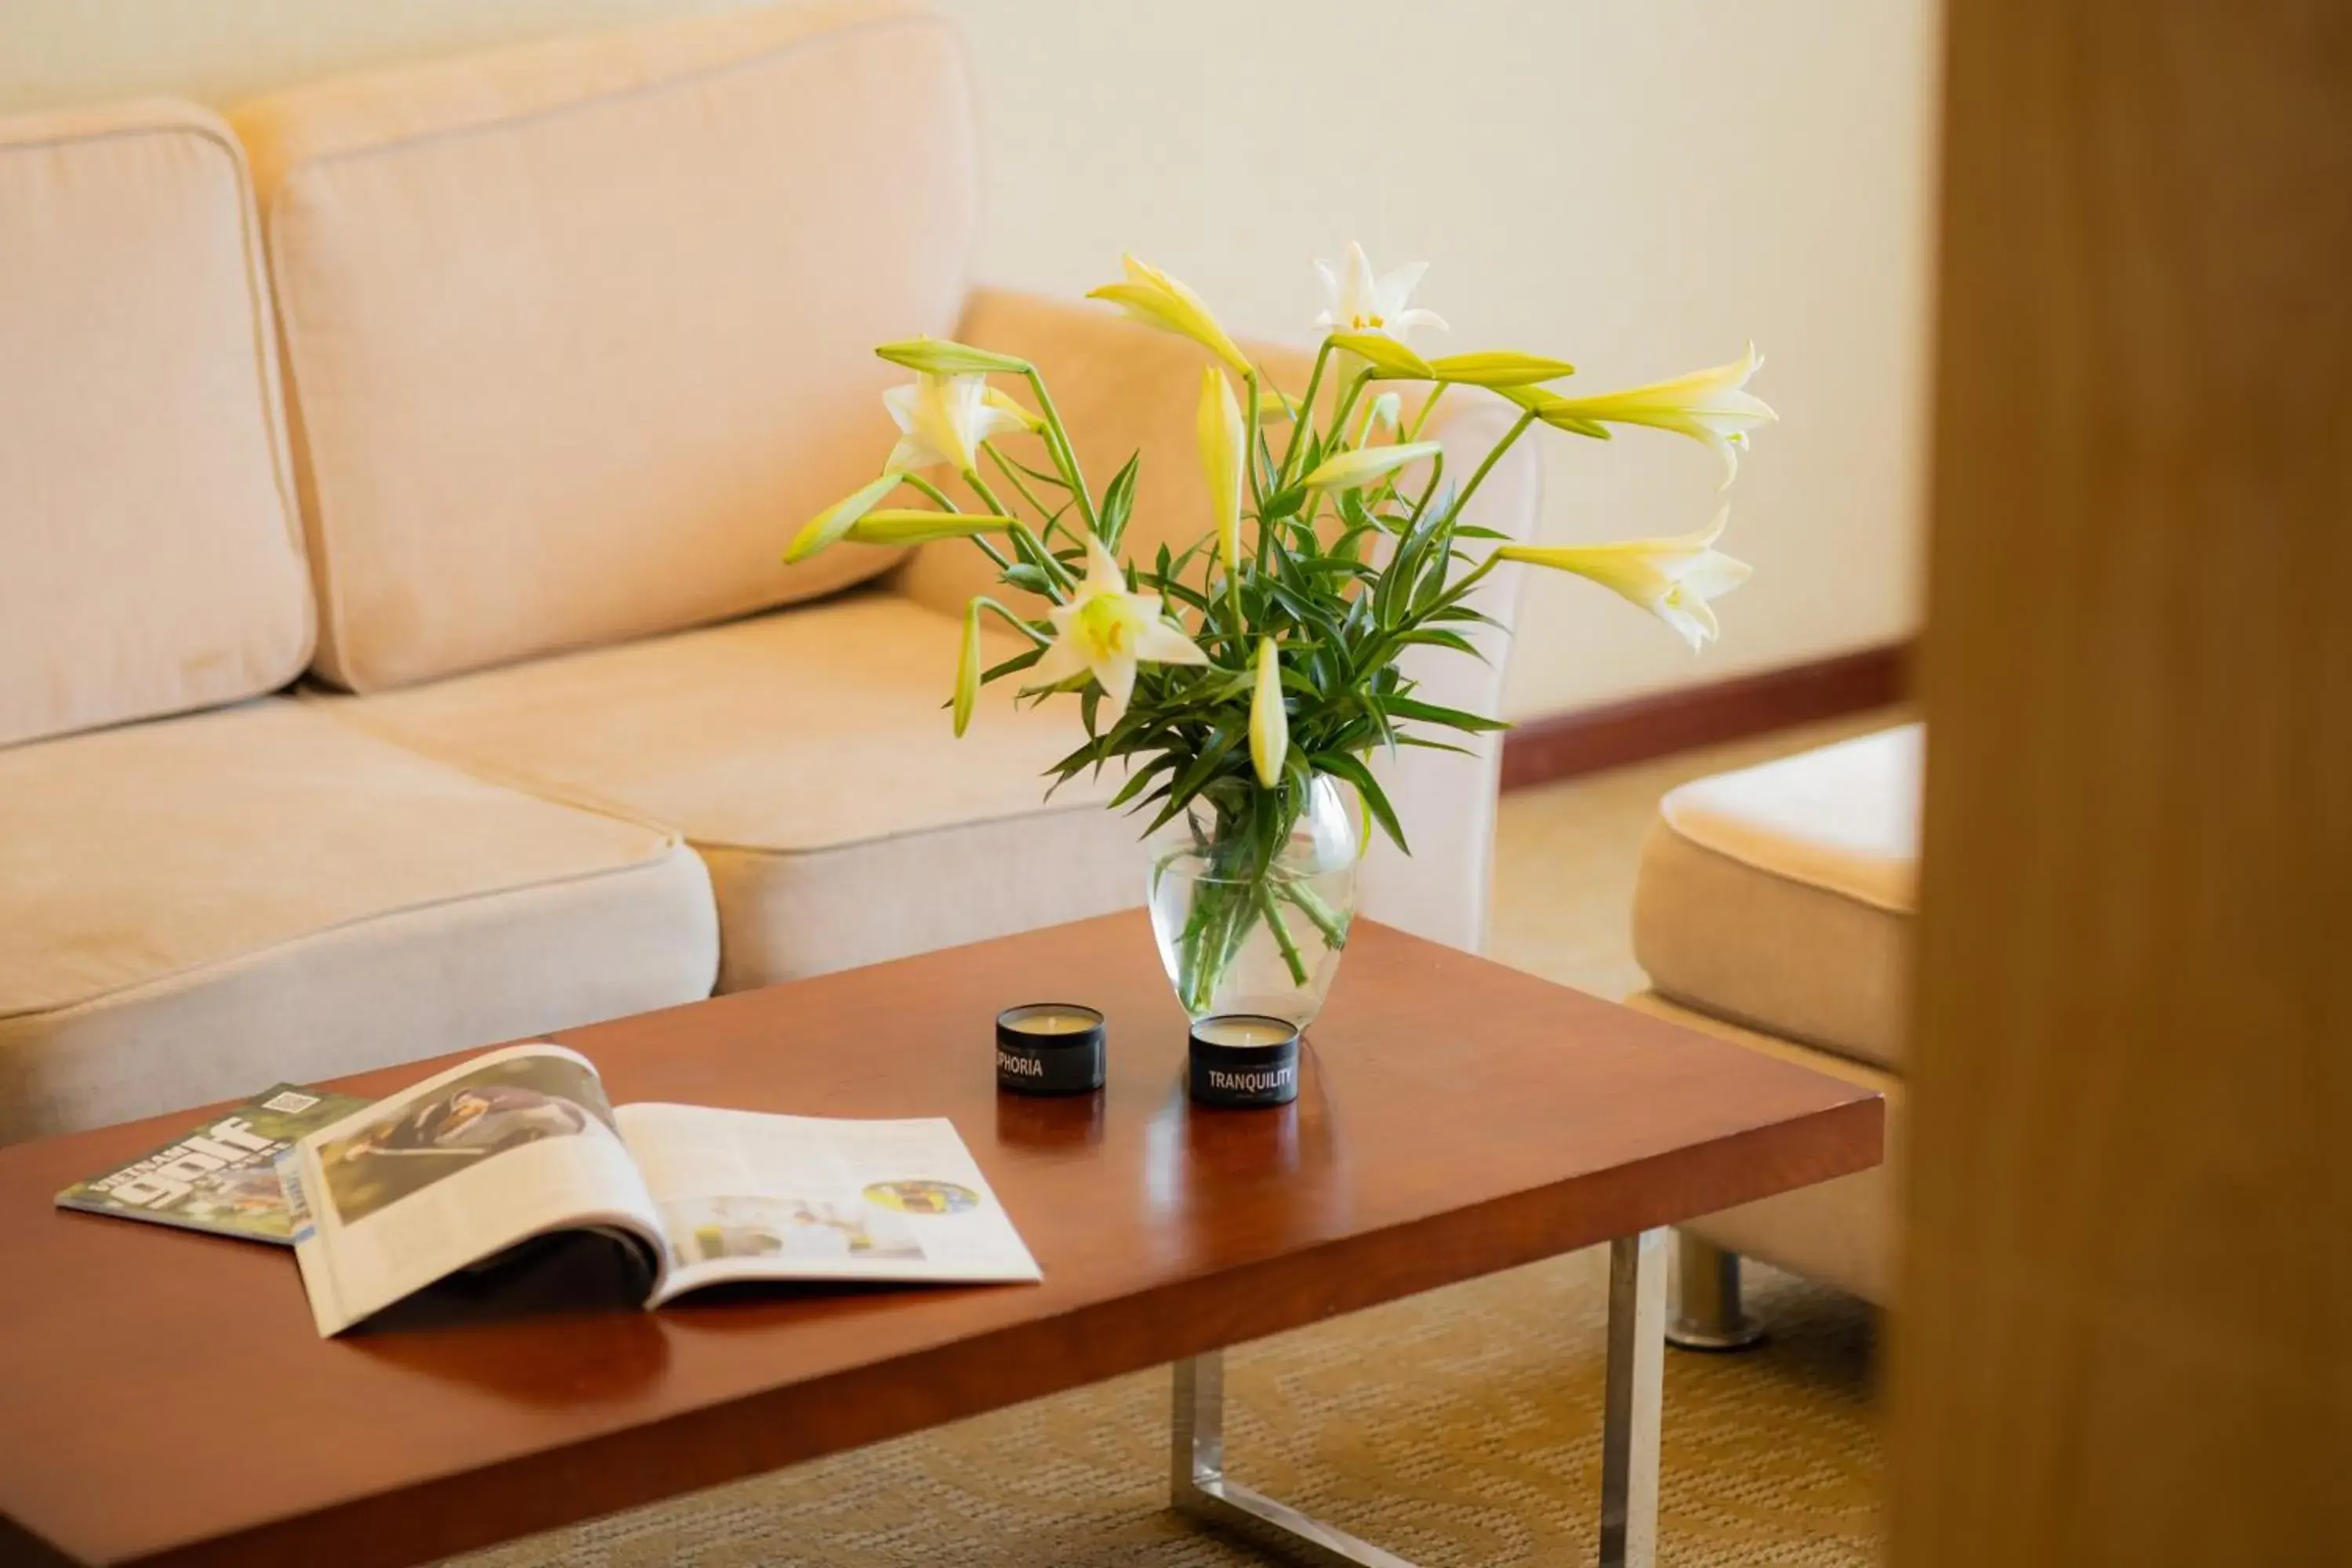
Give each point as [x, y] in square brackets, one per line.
[522, 1143]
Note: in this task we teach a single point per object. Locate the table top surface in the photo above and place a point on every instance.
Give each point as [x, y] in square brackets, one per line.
[163, 1396]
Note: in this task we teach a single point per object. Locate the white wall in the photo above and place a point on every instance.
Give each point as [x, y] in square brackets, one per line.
[1636, 188]
[1638, 185]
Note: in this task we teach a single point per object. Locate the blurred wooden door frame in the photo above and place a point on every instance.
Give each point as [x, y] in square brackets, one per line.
[2126, 1324]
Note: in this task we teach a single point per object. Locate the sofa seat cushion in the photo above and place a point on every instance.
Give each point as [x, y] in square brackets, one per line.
[579, 331]
[808, 756]
[1781, 896]
[149, 554]
[197, 907]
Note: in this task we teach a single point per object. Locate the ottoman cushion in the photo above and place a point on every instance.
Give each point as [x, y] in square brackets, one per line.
[1781, 896]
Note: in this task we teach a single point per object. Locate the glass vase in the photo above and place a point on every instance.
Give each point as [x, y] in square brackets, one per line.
[1251, 894]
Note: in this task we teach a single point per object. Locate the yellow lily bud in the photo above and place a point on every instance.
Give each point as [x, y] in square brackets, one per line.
[1156, 299]
[923, 527]
[1220, 460]
[1269, 722]
[1351, 469]
[1671, 578]
[1711, 406]
[1391, 358]
[1500, 369]
[967, 685]
[938, 356]
[837, 520]
[1547, 406]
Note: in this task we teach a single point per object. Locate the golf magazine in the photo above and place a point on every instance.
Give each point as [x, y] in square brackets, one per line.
[221, 1177]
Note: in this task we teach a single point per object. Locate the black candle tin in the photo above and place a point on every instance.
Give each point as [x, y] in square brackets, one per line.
[1049, 1047]
[1261, 1071]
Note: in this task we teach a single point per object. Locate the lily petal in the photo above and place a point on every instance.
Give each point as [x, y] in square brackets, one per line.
[1160, 643]
[1063, 658]
[1115, 676]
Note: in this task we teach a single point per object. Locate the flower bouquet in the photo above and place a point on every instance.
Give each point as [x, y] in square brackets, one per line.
[1246, 682]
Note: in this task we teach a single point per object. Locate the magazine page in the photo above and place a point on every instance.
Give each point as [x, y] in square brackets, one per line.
[221, 1177]
[510, 1145]
[746, 1195]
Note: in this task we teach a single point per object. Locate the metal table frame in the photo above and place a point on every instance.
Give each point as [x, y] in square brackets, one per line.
[1629, 1436]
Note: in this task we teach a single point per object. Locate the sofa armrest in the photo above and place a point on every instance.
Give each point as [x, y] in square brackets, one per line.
[1123, 388]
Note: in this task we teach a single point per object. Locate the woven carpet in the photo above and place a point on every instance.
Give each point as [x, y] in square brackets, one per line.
[1460, 1428]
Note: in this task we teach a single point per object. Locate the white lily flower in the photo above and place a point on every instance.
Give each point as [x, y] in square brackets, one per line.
[1360, 303]
[1708, 405]
[1107, 630]
[944, 419]
[1671, 578]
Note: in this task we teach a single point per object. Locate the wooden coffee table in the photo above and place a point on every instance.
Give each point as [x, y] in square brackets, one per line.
[164, 1399]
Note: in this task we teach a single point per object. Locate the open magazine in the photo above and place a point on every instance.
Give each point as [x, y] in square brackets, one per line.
[521, 1144]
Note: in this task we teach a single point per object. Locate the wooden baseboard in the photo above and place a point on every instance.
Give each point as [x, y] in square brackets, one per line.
[1640, 728]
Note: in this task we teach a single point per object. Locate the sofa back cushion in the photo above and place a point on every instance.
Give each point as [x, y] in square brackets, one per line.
[579, 333]
[150, 556]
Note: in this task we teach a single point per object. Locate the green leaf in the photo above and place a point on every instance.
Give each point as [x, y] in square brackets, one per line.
[1376, 801]
[1141, 778]
[1436, 637]
[1013, 666]
[1043, 475]
[1390, 359]
[1282, 503]
[1500, 369]
[1193, 778]
[1119, 502]
[1452, 717]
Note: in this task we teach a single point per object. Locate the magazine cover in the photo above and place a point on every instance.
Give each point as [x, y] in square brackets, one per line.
[221, 1177]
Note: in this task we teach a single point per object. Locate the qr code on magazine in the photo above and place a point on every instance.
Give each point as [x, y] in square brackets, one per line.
[289, 1102]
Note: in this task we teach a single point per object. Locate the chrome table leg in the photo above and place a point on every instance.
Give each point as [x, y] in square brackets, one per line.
[1629, 1437]
[1630, 1412]
[1197, 1474]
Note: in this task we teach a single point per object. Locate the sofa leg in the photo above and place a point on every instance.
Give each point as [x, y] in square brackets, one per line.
[1703, 1311]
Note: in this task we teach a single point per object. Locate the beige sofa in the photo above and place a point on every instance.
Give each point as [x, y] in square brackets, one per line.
[487, 391]
[1774, 908]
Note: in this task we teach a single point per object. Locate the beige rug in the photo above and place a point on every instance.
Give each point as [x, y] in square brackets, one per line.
[1457, 1428]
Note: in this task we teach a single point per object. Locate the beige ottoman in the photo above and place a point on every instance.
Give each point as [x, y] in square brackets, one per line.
[1774, 908]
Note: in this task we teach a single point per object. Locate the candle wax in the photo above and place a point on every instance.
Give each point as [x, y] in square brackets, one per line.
[1047, 1019]
[1240, 1031]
